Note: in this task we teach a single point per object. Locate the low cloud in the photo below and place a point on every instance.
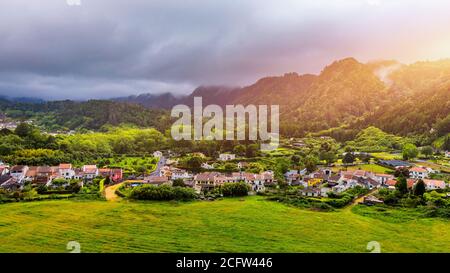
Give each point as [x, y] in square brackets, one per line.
[114, 48]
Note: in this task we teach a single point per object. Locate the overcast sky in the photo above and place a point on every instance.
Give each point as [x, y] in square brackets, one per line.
[109, 48]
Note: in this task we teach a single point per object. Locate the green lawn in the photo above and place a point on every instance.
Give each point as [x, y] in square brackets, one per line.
[366, 167]
[387, 156]
[230, 225]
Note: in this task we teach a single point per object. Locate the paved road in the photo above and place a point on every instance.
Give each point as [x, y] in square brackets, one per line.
[161, 163]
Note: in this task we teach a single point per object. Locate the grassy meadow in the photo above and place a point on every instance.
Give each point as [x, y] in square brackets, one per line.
[230, 225]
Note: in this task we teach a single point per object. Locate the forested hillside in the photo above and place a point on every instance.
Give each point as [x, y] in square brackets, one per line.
[92, 114]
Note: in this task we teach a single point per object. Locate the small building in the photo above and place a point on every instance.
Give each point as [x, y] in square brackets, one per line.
[66, 171]
[242, 165]
[418, 173]
[227, 157]
[90, 171]
[156, 180]
[447, 154]
[311, 192]
[383, 178]
[207, 166]
[391, 183]
[157, 154]
[431, 184]
[19, 172]
[9, 183]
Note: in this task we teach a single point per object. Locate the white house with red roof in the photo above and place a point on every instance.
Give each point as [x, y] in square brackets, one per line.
[66, 170]
[418, 173]
[90, 171]
[431, 184]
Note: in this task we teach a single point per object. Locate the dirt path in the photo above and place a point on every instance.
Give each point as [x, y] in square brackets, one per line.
[361, 199]
[110, 192]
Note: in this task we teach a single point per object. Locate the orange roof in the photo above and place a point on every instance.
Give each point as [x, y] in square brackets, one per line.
[65, 166]
[418, 169]
[391, 182]
[409, 182]
[435, 183]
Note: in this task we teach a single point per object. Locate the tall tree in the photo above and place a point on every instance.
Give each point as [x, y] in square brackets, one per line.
[419, 188]
[410, 151]
[402, 185]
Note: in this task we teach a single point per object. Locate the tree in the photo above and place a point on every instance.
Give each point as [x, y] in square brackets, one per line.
[410, 151]
[349, 158]
[23, 129]
[419, 188]
[230, 167]
[295, 159]
[235, 189]
[402, 185]
[311, 163]
[194, 162]
[446, 144]
[427, 151]
[401, 172]
[252, 150]
[178, 183]
[239, 150]
[328, 156]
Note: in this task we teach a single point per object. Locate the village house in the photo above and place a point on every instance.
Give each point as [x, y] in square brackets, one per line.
[174, 173]
[156, 180]
[227, 157]
[311, 192]
[383, 178]
[45, 175]
[115, 174]
[431, 184]
[447, 153]
[242, 165]
[391, 184]
[157, 154]
[294, 177]
[90, 172]
[207, 166]
[79, 174]
[66, 171]
[19, 172]
[418, 173]
[9, 183]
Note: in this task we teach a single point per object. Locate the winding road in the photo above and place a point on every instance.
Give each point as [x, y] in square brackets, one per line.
[110, 192]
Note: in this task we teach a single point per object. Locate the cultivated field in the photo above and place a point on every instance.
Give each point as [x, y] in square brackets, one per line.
[230, 225]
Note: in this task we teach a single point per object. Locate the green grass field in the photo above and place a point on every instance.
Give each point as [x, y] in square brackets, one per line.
[366, 167]
[229, 225]
[387, 156]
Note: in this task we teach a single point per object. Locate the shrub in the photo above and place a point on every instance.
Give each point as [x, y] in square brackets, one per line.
[163, 192]
[235, 189]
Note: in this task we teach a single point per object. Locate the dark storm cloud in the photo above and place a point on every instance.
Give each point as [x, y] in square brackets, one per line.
[106, 48]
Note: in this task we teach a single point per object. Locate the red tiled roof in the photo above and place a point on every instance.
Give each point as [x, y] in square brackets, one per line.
[418, 169]
[65, 166]
[435, 183]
